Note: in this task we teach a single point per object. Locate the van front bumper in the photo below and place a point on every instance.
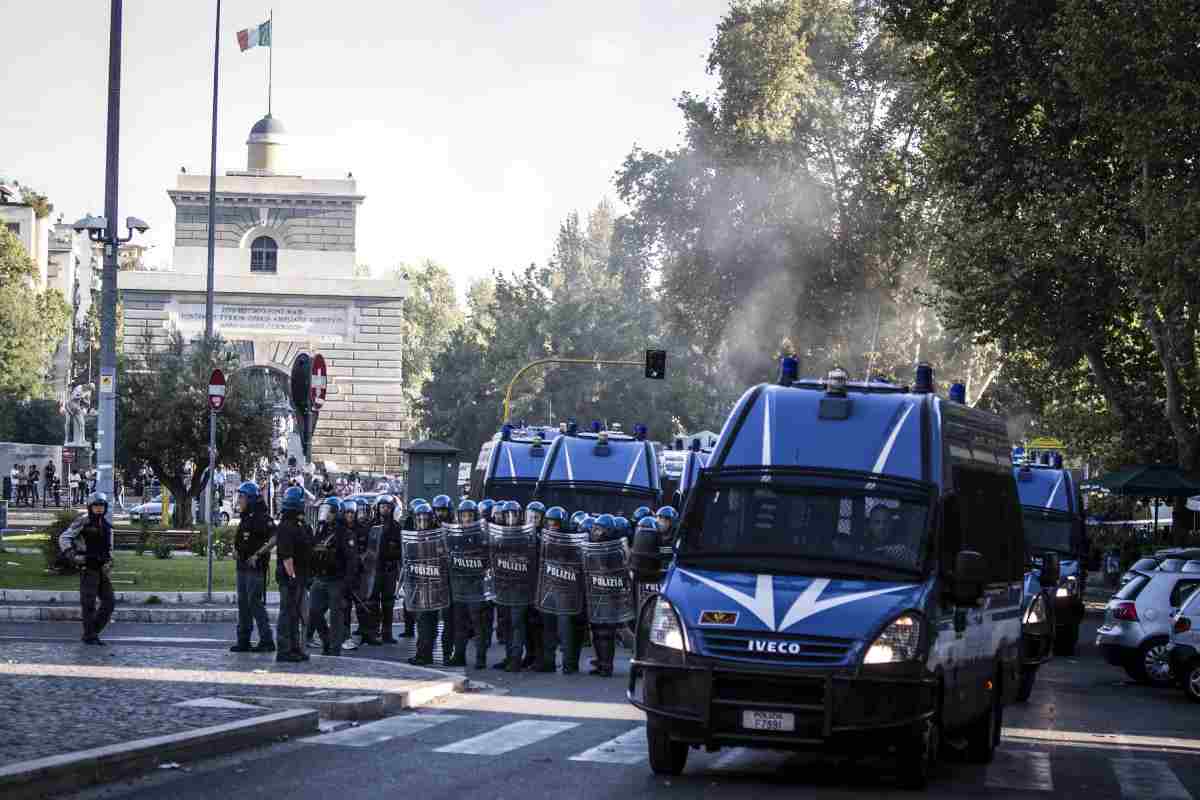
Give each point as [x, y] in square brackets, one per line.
[702, 703]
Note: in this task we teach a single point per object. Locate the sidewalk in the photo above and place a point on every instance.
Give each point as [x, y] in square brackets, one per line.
[60, 698]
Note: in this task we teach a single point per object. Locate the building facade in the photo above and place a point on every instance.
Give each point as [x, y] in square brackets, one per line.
[284, 284]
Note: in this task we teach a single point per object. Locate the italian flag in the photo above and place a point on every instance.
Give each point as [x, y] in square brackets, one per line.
[258, 36]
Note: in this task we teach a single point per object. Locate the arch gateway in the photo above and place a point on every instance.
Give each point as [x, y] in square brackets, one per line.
[284, 284]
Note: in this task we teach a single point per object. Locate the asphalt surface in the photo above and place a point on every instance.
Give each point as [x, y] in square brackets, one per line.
[1087, 732]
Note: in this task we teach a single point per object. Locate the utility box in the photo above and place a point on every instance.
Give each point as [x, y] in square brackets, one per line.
[432, 470]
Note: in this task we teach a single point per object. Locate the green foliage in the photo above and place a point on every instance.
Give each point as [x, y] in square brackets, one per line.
[49, 545]
[163, 407]
[153, 600]
[431, 313]
[31, 324]
[159, 546]
[222, 543]
[30, 421]
[143, 538]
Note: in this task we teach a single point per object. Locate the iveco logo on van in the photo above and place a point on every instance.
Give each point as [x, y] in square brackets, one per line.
[777, 648]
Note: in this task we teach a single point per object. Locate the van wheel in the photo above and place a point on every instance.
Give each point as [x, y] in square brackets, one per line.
[983, 736]
[917, 760]
[1028, 676]
[1150, 664]
[1191, 683]
[666, 757]
[1066, 640]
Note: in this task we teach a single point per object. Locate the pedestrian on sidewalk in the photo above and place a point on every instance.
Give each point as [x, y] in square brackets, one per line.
[87, 542]
[35, 480]
[293, 547]
[252, 545]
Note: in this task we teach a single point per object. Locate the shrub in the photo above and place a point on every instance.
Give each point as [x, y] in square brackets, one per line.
[50, 552]
[158, 545]
[143, 538]
[222, 543]
[153, 600]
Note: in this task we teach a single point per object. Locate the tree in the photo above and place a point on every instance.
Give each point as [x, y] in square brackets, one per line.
[1064, 137]
[431, 312]
[163, 415]
[31, 421]
[32, 324]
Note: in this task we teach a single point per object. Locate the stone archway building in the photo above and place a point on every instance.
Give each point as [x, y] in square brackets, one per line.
[285, 284]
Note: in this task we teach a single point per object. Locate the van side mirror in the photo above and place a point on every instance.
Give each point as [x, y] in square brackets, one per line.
[1051, 570]
[970, 574]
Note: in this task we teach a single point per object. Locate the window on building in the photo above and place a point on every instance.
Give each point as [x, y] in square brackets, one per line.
[264, 254]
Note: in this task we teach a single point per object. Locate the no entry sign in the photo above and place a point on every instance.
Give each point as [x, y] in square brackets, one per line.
[319, 381]
[216, 390]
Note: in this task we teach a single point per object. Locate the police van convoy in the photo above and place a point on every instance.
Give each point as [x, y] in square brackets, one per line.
[694, 461]
[1054, 525]
[847, 576]
[600, 472]
[515, 462]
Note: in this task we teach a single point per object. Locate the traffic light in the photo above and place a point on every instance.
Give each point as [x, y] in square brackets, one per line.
[656, 364]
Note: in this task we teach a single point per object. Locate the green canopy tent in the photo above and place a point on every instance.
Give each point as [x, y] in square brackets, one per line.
[1148, 480]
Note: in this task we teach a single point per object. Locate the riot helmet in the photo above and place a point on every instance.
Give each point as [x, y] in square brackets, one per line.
[441, 507]
[97, 499]
[577, 519]
[364, 513]
[468, 512]
[642, 511]
[385, 507]
[667, 517]
[621, 527]
[412, 505]
[644, 554]
[247, 493]
[534, 513]
[330, 508]
[603, 528]
[485, 509]
[293, 500]
[349, 510]
[556, 518]
[423, 517]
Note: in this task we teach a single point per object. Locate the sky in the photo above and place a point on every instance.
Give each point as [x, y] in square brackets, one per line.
[473, 128]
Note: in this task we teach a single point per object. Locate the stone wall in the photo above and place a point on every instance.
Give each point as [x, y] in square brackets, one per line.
[305, 223]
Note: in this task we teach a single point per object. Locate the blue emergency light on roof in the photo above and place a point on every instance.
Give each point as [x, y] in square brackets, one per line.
[696, 444]
[958, 393]
[506, 432]
[597, 426]
[572, 426]
[1058, 461]
[640, 432]
[789, 370]
[835, 382]
[924, 382]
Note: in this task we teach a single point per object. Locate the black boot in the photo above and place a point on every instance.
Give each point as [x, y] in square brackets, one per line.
[385, 624]
[264, 646]
[241, 647]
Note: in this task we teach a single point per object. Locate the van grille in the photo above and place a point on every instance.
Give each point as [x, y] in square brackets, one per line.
[776, 648]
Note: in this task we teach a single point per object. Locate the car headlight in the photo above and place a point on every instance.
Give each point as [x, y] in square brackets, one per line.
[665, 630]
[899, 641]
[1036, 613]
[1067, 587]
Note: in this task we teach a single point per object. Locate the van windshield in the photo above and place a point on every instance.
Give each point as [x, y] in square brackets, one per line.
[595, 500]
[1045, 531]
[866, 525]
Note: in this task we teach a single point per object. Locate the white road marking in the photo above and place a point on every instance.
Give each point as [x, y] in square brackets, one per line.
[383, 730]
[628, 748]
[508, 737]
[216, 702]
[1020, 770]
[1148, 778]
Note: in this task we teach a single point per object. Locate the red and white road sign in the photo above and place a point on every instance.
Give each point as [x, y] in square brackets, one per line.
[320, 380]
[68, 456]
[216, 390]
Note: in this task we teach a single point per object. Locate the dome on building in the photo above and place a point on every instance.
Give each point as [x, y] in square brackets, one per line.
[263, 147]
[268, 125]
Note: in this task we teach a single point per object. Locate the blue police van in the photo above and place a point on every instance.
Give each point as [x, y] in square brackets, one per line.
[601, 472]
[695, 460]
[1055, 530]
[513, 463]
[848, 577]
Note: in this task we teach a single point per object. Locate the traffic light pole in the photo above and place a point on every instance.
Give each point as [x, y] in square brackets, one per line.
[541, 362]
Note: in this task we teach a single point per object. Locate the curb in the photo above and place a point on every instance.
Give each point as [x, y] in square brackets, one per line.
[144, 614]
[25, 780]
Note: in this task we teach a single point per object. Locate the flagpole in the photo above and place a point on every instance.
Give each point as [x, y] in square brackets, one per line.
[270, 57]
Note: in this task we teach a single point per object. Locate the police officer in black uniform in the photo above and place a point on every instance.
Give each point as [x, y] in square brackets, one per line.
[535, 623]
[332, 557]
[604, 636]
[87, 543]
[558, 630]
[388, 571]
[475, 615]
[410, 619]
[360, 528]
[293, 548]
[252, 546]
[423, 519]
[443, 510]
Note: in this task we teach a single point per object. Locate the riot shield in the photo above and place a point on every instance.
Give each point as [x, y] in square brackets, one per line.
[470, 563]
[560, 573]
[609, 582]
[426, 572]
[514, 563]
[370, 563]
[649, 576]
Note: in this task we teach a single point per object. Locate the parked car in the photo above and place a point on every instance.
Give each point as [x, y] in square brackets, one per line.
[1137, 624]
[1140, 567]
[1183, 652]
[151, 511]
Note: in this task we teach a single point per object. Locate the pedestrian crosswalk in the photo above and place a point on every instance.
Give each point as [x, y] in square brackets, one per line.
[1014, 769]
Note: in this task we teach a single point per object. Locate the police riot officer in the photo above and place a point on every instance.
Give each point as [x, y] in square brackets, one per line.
[468, 615]
[536, 632]
[332, 557]
[87, 543]
[443, 510]
[388, 571]
[360, 526]
[424, 520]
[252, 546]
[577, 520]
[293, 548]
[559, 630]
[604, 636]
[410, 619]
[642, 511]
[667, 517]
[512, 620]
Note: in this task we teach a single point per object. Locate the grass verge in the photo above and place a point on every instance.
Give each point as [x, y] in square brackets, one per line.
[18, 571]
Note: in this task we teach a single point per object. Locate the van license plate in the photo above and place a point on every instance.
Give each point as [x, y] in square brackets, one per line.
[768, 721]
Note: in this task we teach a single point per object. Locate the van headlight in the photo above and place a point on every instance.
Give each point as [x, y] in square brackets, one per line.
[900, 641]
[665, 630]
[1067, 587]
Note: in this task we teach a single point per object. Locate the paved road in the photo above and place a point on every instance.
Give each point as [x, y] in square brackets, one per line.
[1087, 733]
